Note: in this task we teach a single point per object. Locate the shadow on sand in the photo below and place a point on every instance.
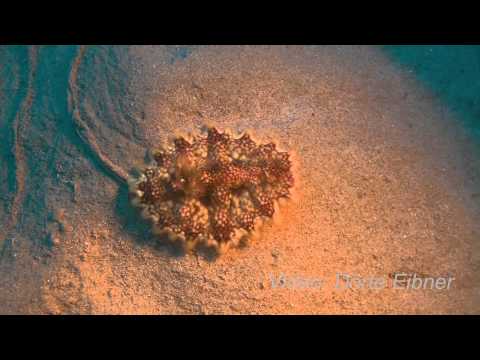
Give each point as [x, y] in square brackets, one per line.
[140, 230]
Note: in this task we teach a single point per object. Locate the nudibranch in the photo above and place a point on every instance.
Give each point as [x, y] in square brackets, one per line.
[213, 189]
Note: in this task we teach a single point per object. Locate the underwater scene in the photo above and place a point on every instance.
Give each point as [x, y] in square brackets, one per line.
[240, 179]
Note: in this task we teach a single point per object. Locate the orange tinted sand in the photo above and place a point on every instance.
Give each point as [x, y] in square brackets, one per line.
[384, 184]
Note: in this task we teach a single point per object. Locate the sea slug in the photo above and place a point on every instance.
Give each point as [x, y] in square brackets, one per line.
[213, 189]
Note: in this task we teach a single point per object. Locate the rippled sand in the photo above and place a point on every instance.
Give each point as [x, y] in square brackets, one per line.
[386, 181]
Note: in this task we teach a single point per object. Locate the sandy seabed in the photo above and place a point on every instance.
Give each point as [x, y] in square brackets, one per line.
[386, 183]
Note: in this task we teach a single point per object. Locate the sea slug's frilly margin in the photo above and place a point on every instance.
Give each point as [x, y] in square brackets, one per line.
[212, 190]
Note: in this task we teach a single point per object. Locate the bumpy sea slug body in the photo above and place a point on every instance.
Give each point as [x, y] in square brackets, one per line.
[213, 189]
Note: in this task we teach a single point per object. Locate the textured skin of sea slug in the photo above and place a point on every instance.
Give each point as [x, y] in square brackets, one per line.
[213, 189]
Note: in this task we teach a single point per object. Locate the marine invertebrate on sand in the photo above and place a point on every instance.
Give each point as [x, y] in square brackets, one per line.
[212, 189]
